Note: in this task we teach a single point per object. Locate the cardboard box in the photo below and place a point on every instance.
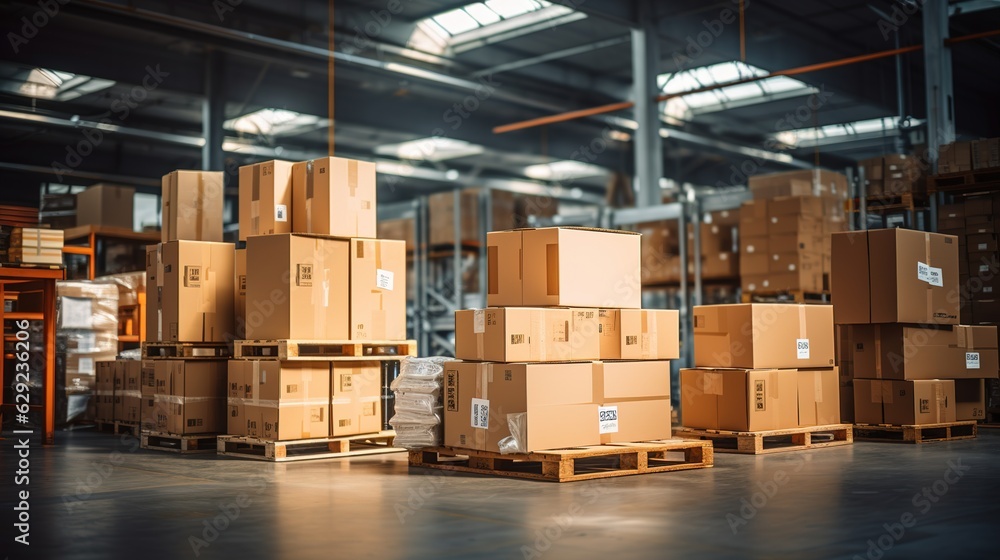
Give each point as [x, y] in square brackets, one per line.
[104, 390]
[755, 335]
[298, 287]
[193, 299]
[982, 242]
[717, 266]
[265, 198]
[105, 205]
[970, 399]
[873, 168]
[894, 276]
[799, 280]
[809, 182]
[278, 401]
[503, 254]
[819, 397]
[753, 218]
[147, 378]
[527, 334]
[979, 206]
[951, 211]
[507, 211]
[553, 402]
[739, 399]
[356, 392]
[792, 262]
[904, 403]
[893, 351]
[378, 289]
[847, 404]
[402, 228]
[630, 381]
[193, 394]
[128, 395]
[334, 196]
[755, 265]
[639, 334]
[795, 242]
[192, 206]
[753, 245]
[961, 156]
[240, 293]
[790, 223]
[631, 421]
[986, 311]
[808, 206]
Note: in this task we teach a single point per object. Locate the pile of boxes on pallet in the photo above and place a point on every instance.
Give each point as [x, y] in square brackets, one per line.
[893, 175]
[761, 367]
[563, 356]
[969, 155]
[119, 391]
[785, 230]
[661, 261]
[902, 350]
[131, 297]
[36, 246]
[87, 333]
[972, 220]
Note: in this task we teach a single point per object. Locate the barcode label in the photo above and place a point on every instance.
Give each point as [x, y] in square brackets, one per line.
[925, 406]
[631, 340]
[280, 213]
[802, 348]
[759, 396]
[929, 274]
[192, 276]
[517, 339]
[479, 321]
[607, 416]
[243, 283]
[384, 279]
[972, 360]
[480, 413]
[304, 275]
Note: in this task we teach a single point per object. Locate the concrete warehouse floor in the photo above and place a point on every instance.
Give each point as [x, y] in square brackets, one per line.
[826, 503]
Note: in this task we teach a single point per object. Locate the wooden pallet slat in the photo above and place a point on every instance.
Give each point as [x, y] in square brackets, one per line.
[187, 350]
[307, 449]
[773, 441]
[785, 296]
[288, 349]
[924, 433]
[574, 464]
[175, 443]
[986, 179]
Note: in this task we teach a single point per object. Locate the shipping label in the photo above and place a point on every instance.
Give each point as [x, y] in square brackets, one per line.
[607, 416]
[802, 348]
[480, 413]
[972, 360]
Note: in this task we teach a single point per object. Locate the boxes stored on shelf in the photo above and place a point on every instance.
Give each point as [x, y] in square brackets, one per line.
[356, 393]
[903, 403]
[190, 296]
[755, 335]
[739, 399]
[895, 276]
[810, 182]
[105, 205]
[508, 211]
[265, 198]
[334, 196]
[378, 289]
[527, 334]
[970, 399]
[193, 394]
[639, 334]
[894, 351]
[402, 228]
[277, 400]
[573, 267]
[192, 206]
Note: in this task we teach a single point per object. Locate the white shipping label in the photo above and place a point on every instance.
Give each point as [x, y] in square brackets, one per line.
[88, 341]
[802, 348]
[972, 360]
[479, 321]
[480, 413]
[607, 416]
[383, 279]
[929, 274]
[280, 213]
[86, 365]
[983, 246]
[76, 313]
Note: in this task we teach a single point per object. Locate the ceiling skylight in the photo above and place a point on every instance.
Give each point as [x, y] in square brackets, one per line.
[563, 170]
[686, 107]
[430, 149]
[275, 122]
[843, 132]
[42, 83]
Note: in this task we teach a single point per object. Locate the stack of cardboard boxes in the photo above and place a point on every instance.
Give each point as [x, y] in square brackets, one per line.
[969, 155]
[893, 175]
[36, 246]
[761, 367]
[119, 391]
[312, 271]
[785, 230]
[87, 327]
[564, 356]
[661, 261]
[902, 350]
[972, 220]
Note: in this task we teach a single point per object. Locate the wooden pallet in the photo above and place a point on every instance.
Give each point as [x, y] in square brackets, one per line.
[773, 441]
[187, 350]
[174, 443]
[888, 203]
[306, 449]
[325, 349]
[916, 434]
[985, 180]
[785, 296]
[117, 427]
[573, 464]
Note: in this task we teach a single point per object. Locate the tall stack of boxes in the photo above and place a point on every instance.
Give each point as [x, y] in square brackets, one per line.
[893, 175]
[87, 327]
[972, 220]
[971, 155]
[902, 350]
[661, 261]
[785, 230]
[761, 367]
[563, 356]
[312, 271]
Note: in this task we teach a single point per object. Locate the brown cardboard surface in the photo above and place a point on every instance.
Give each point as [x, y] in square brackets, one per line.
[378, 289]
[402, 228]
[298, 287]
[796, 206]
[503, 251]
[240, 293]
[897, 402]
[628, 381]
[982, 242]
[192, 206]
[464, 381]
[719, 265]
[105, 205]
[790, 223]
[796, 261]
[970, 399]
[763, 335]
[794, 242]
[979, 206]
[356, 392]
[334, 196]
[908, 352]
[192, 297]
[644, 420]
[847, 404]
[753, 245]
[739, 399]
[819, 397]
[527, 334]
[265, 198]
[757, 264]
[193, 394]
[808, 182]
[804, 280]
[648, 334]
[951, 211]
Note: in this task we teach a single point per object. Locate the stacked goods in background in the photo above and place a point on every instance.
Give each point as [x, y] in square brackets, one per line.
[661, 261]
[893, 175]
[118, 391]
[131, 305]
[959, 157]
[902, 350]
[87, 333]
[972, 221]
[58, 211]
[785, 230]
[563, 356]
[106, 205]
[36, 246]
[405, 230]
[13, 218]
[761, 367]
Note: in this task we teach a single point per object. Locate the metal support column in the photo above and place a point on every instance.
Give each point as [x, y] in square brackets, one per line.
[696, 220]
[648, 144]
[687, 355]
[937, 69]
[213, 112]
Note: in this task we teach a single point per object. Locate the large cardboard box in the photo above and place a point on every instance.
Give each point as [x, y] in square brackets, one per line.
[127, 407]
[631, 381]
[895, 276]
[265, 198]
[754, 218]
[904, 403]
[808, 182]
[356, 392]
[527, 334]
[632, 421]
[190, 296]
[106, 205]
[104, 390]
[298, 287]
[739, 399]
[970, 399]
[810, 280]
[639, 334]
[894, 351]
[277, 400]
[553, 404]
[192, 206]
[756, 335]
[807, 206]
[819, 397]
[402, 228]
[240, 293]
[503, 267]
[378, 289]
[192, 396]
[334, 196]
[507, 211]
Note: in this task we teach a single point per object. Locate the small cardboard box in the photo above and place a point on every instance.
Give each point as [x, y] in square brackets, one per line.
[192, 206]
[104, 390]
[904, 403]
[378, 289]
[629, 381]
[190, 296]
[970, 399]
[356, 391]
[819, 397]
[753, 245]
[265, 198]
[739, 399]
[128, 406]
[982, 242]
[527, 334]
[755, 335]
[334, 196]
[639, 334]
[907, 352]
[790, 223]
[757, 264]
[754, 218]
[809, 206]
[240, 293]
[106, 205]
[631, 421]
[193, 395]
[894, 276]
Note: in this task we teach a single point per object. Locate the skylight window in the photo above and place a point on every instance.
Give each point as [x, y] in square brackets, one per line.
[430, 149]
[492, 19]
[563, 170]
[274, 122]
[42, 83]
[842, 132]
[688, 106]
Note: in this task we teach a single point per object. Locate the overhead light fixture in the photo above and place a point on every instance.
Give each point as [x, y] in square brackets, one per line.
[389, 168]
[430, 149]
[277, 122]
[563, 170]
[437, 33]
[43, 83]
[842, 132]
